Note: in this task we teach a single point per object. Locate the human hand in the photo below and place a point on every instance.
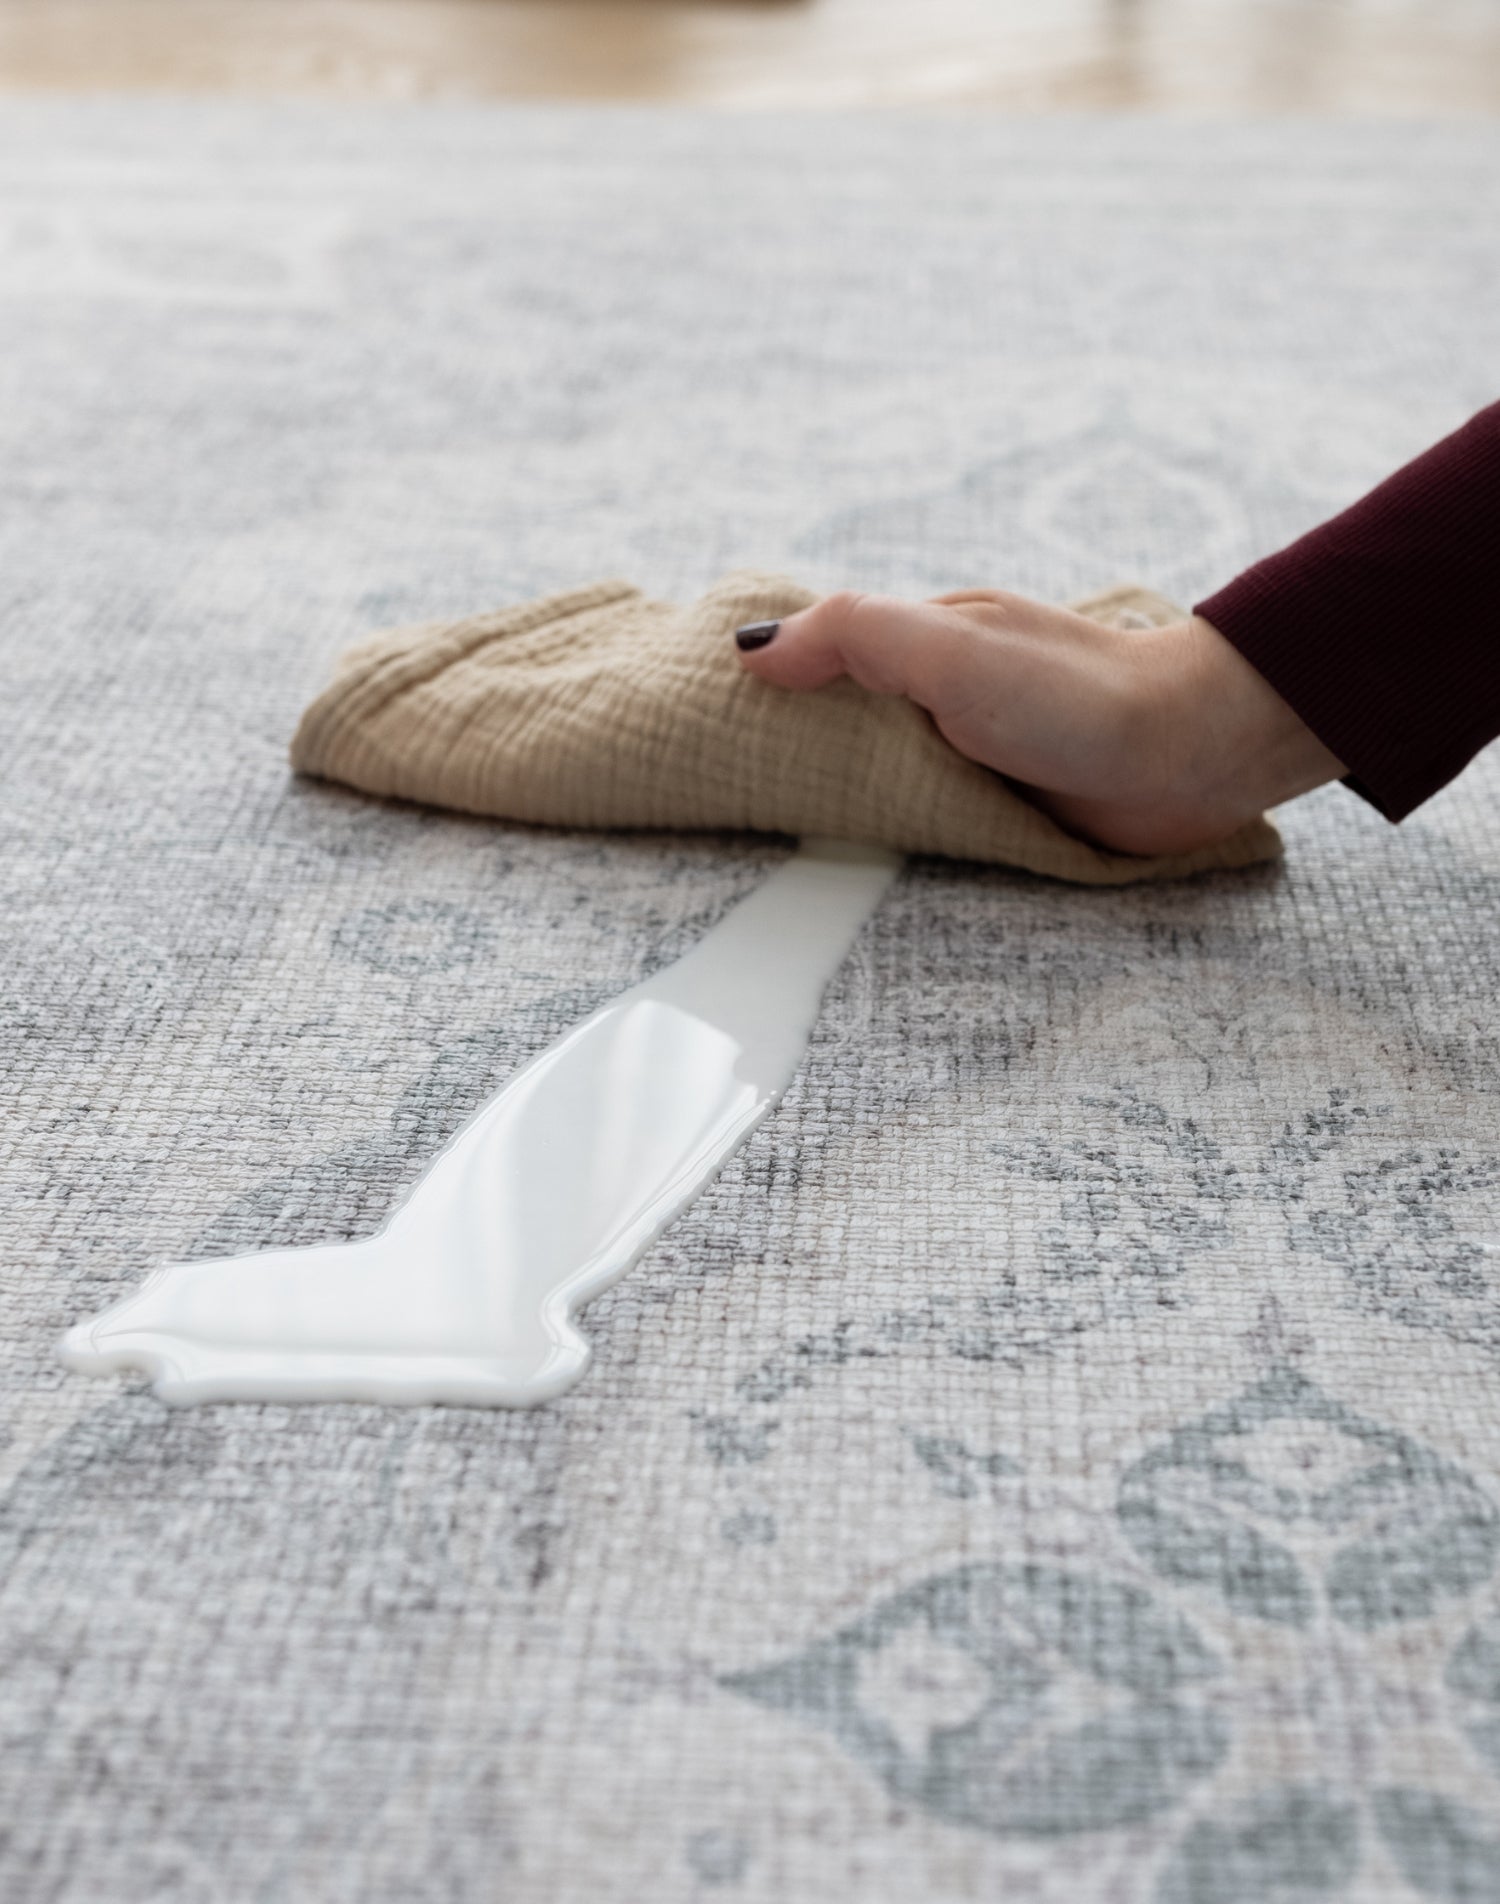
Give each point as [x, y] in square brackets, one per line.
[1155, 741]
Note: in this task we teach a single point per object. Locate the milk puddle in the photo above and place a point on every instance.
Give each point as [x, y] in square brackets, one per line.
[545, 1197]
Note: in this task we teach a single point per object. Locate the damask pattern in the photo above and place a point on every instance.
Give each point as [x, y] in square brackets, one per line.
[975, 1693]
[1058, 1459]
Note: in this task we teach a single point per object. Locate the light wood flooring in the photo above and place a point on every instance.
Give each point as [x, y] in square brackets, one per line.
[1435, 58]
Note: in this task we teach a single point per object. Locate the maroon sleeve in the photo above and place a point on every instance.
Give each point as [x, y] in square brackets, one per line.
[1382, 627]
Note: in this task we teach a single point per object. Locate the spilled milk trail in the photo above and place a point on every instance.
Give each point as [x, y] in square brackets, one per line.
[541, 1200]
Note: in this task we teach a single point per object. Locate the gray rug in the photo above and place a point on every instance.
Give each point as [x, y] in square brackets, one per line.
[1059, 1460]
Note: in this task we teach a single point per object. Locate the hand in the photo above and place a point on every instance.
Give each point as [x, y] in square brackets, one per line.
[1149, 742]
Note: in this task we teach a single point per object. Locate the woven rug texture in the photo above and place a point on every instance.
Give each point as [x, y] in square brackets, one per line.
[1059, 1459]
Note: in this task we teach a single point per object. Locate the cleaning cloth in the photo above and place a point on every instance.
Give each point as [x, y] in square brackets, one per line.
[602, 708]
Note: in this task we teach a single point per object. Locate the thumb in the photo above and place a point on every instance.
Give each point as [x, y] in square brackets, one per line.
[887, 645]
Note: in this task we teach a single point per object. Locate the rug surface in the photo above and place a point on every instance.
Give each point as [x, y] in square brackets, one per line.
[1060, 1458]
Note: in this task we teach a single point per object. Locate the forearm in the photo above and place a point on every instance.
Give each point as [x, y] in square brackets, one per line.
[1381, 628]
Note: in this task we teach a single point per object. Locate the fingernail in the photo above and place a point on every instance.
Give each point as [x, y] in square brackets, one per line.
[755, 634]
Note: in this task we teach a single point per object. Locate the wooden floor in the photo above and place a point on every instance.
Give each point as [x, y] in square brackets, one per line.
[1429, 57]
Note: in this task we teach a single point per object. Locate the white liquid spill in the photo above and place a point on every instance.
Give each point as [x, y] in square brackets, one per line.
[547, 1195]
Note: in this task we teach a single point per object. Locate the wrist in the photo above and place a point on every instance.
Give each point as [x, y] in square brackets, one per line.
[1245, 748]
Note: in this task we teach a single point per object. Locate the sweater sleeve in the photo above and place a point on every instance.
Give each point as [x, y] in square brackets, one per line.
[1382, 627]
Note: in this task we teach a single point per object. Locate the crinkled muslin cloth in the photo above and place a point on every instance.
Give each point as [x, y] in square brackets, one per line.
[602, 708]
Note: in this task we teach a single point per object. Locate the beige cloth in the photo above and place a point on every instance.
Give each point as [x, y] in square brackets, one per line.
[601, 708]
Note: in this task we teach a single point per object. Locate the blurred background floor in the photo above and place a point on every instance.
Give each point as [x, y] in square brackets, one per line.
[1433, 58]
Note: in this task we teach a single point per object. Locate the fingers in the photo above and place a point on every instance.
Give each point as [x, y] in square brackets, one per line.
[892, 647]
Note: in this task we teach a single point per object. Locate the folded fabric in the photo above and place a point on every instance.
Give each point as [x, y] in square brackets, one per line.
[601, 708]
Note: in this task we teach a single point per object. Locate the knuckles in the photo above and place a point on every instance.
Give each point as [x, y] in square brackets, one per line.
[841, 606]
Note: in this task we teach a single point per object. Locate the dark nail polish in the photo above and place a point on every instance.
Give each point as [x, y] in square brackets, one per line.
[755, 634]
